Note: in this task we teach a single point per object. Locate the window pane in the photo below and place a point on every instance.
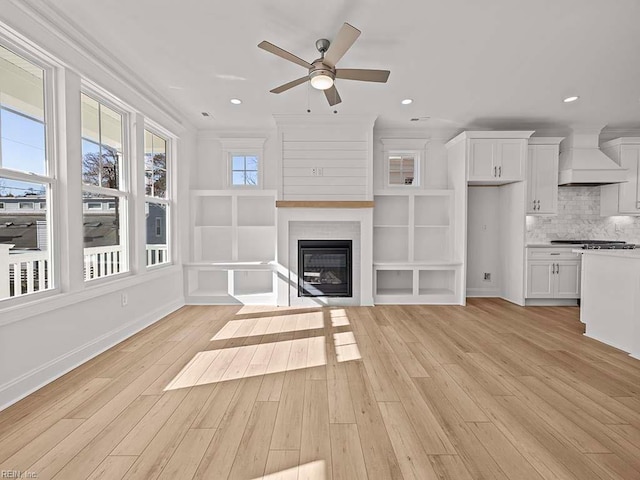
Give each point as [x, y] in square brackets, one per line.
[401, 169]
[155, 164]
[27, 265]
[110, 162]
[104, 253]
[23, 143]
[22, 128]
[157, 251]
[238, 163]
[101, 144]
[238, 178]
[252, 163]
[91, 162]
[251, 178]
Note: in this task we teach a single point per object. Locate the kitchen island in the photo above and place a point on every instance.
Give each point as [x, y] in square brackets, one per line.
[610, 306]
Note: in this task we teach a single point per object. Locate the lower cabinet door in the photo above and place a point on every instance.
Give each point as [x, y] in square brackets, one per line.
[567, 281]
[540, 280]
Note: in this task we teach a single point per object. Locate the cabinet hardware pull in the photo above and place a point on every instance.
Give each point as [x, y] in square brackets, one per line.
[553, 268]
[557, 268]
[495, 170]
[500, 171]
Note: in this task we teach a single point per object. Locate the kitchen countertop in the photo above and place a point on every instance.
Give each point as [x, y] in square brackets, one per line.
[550, 245]
[632, 253]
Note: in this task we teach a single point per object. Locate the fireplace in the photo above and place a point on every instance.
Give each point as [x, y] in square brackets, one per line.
[324, 268]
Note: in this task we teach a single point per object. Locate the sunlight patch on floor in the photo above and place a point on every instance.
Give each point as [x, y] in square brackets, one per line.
[339, 317]
[309, 471]
[225, 364]
[346, 347]
[250, 327]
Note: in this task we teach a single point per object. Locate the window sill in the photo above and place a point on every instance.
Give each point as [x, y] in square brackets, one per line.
[55, 299]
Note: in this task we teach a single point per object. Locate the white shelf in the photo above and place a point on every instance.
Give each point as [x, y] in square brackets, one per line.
[391, 210]
[234, 245]
[394, 291]
[213, 243]
[391, 244]
[435, 291]
[256, 211]
[432, 210]
[213, 211]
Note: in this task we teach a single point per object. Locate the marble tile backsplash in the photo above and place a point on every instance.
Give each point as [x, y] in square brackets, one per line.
[579, 218]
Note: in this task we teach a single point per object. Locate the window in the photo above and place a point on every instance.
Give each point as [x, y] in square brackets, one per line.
[26, 178]
[403, 158]
[103, 168]
[157, 198]
[402, 169]
[244, 170]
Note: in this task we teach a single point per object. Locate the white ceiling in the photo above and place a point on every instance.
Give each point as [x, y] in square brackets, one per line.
[482, 64]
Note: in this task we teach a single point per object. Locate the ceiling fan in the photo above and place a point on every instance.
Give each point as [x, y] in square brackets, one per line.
[323, 71]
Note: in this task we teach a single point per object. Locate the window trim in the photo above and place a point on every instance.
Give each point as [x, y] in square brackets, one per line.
[49, 65]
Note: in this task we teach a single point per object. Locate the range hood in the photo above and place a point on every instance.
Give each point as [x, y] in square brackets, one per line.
[583, 163]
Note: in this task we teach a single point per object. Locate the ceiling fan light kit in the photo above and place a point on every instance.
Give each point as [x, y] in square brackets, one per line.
[323, 71]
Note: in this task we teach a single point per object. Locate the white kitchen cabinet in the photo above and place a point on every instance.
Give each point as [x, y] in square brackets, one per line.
[496, 160]
[553, 273]
[622, 198]
[542, 175]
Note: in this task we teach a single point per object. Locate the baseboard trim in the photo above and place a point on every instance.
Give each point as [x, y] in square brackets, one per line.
[18, 388]
[483, 292]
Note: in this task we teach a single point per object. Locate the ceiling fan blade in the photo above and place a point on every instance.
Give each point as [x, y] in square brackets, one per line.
[287, 86]
[343, 41]
[363, 74]
[333, 97]
[271, 48]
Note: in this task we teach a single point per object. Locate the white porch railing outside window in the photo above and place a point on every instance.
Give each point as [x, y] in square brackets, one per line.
[22, 273]
[157, 254]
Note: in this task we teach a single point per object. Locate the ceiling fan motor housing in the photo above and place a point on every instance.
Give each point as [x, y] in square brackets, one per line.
[322, 45]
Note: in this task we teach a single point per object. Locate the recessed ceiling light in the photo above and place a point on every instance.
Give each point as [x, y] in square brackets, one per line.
[406, 101]
[571, 99]
[236, 101]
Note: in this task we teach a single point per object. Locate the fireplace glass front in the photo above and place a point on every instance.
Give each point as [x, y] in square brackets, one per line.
[324, 268]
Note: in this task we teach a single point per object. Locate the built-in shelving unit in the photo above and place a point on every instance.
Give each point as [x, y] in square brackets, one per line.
[414, 261]
[234, 247]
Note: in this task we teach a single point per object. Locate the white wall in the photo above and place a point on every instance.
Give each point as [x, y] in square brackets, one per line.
[210, 166]
[433, 170]
[43, 339]
[483, 241]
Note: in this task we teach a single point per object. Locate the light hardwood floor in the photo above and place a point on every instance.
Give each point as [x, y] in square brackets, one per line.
[487, 391]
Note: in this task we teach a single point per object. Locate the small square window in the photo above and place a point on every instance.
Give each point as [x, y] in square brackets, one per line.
[1, 205]
[26, 205]
[244, 170]
[94, 206]
[403, 169]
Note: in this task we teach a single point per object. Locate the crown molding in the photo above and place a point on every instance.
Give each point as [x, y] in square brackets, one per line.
[56, 23]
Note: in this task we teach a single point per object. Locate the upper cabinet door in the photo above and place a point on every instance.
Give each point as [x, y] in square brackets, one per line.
[482, 160]
[510, 156]
[545, 170]
[628, 195]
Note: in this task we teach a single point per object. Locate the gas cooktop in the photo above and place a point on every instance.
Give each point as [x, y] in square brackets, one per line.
[588, 242]
[597, 244]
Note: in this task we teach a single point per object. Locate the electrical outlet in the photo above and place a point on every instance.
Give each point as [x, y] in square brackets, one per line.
[124, 299]
[314, 172]
[487, 277]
